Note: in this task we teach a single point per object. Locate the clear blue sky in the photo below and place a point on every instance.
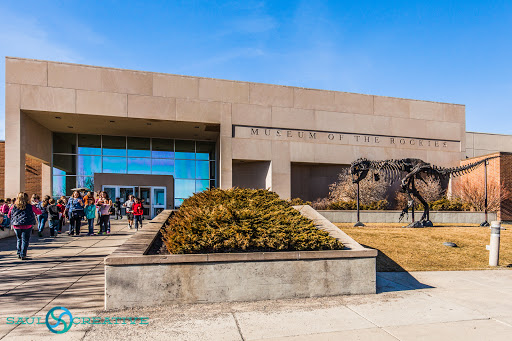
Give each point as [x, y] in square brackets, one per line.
[448, 51]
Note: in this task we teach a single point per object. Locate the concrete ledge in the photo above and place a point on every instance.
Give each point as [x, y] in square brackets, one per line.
[455, 217]
[134, 279]
[7, 232]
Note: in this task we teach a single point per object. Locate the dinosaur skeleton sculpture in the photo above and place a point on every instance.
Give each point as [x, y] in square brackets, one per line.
[409, 170]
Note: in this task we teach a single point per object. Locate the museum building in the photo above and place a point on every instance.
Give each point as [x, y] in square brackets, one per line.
[163, 137]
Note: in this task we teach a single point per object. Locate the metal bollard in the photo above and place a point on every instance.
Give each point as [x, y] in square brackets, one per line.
[494, 248]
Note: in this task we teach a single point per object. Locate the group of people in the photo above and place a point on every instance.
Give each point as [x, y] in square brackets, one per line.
[23, 214]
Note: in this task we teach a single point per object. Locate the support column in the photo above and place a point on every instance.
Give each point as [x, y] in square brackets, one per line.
[14, 147]
[46, 180]
[226, 157]
[281, 169]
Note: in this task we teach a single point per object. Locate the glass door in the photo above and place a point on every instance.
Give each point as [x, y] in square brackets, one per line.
[158, 204]
[145, 197]
[124, 193]
[111, 191]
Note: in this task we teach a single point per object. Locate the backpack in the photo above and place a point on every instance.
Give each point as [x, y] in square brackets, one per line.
[54, 212]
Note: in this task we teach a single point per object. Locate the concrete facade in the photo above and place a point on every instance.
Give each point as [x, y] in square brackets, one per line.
[278, 125]
[479, 144]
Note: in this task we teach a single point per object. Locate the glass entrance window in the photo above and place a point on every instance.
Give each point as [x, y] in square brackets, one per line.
[114, 145]
[77, 157]
[89, 144]
[139, 147]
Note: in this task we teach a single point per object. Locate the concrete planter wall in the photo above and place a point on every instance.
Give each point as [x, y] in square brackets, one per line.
[133, 279]
[7, 232]
[456, 217]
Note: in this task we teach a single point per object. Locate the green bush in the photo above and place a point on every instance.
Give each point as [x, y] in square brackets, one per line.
[352, 205]
[242, 220]
[445, 204]
[298, 201]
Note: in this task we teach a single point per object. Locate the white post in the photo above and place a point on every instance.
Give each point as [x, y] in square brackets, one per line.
[494, 249]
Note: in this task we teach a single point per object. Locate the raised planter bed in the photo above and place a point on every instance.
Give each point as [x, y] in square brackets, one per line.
[133, 278]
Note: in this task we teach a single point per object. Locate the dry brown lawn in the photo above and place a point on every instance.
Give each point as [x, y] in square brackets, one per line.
[406, 249]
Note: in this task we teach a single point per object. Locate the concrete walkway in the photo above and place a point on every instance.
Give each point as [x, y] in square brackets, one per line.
[467, 305]
[63, 271]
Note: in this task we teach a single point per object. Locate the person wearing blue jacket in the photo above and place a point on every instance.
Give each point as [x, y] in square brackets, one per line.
[90, 214]
[75, 207]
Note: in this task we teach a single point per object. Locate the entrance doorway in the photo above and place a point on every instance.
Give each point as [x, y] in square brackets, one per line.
[153, 197]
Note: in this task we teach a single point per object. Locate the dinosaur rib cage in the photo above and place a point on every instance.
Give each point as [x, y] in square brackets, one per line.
[395, 169]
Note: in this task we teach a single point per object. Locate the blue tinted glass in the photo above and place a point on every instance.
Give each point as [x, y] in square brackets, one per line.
[178, 202]
[184, 155]
[57, 171]
[89, 151]
[205, 150]
[202, 185]
[202, 156]
[158, 196]
[114, 145]
[62, 185]
[141, 153]
[59, 186]
[88, 165]
[162, 154]
[139, 166]
[162, 148]
[89, 144]
[202, 169]
[185, 169]
[86, 182]
[162, 167]
[114, 152]
[66, 163]
[114, 165]
[139, 146]
[184, 188]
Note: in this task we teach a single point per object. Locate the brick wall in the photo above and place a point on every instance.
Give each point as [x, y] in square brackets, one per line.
[499, 181]
[33, 178]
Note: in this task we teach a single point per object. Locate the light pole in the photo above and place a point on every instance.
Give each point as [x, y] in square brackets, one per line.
[486, 222]
[359, 223]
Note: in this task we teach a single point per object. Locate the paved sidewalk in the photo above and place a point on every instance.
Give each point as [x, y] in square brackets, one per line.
[466, 305]
[63, 271]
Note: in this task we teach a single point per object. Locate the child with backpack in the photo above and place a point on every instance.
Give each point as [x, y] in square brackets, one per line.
[62, 216]
[117, 207]
[90, 214]
[43, 217]
[4, 210]
[54, 217]
[138, 211]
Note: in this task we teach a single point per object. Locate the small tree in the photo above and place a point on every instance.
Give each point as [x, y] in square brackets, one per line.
[473, 192]
[345, 190]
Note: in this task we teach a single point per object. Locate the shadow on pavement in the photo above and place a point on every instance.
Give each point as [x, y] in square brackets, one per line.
[392, 277]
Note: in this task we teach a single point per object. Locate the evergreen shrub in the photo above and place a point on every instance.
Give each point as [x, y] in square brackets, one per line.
[242, 220]
[352, 205]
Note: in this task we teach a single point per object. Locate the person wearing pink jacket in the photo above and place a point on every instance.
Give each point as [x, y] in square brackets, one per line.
[22, 215]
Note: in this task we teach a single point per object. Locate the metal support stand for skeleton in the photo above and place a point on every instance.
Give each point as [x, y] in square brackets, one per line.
[486, 222]
[359, 223]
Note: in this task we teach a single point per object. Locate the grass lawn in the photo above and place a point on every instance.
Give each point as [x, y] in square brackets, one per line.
[423, 250]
